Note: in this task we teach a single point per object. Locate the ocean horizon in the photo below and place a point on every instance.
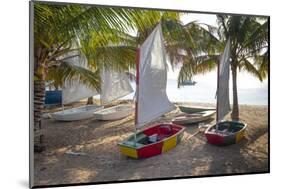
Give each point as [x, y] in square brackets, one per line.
[205, 92]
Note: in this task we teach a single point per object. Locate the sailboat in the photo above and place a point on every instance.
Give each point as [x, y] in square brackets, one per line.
[191, 118]
[194, 109]
[151, 103]
[114, 85]
[73, 91]
[224, 132]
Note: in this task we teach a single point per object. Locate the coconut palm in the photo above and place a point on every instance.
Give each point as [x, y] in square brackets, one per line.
[101, 34]
[249, 50]
[58, 34]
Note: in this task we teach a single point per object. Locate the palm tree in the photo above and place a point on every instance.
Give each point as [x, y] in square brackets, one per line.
[58, 32]
[101, 34]
[249, 50]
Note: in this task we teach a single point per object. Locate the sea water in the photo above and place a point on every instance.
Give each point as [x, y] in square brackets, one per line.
[205, 92]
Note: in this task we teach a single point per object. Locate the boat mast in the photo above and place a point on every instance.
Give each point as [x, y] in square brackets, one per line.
[217, 106]
[137, 91]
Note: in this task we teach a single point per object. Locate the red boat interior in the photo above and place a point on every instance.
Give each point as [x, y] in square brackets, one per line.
[162, 131]
[157, 132]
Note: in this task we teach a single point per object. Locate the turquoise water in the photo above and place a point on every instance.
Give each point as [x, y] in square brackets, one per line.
[205, 92]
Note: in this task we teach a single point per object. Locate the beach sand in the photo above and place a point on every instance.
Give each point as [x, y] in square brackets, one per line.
[101, 160]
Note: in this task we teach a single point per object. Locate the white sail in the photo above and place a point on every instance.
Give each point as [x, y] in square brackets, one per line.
[223, 83]
[152, 99]
[73, 91]
[114, 85]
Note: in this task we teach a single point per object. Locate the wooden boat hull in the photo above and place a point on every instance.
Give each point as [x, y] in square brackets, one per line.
[193, 118]
[76, 114]
[230, 132]
[168, 136]
[194, 109]
[114, 113]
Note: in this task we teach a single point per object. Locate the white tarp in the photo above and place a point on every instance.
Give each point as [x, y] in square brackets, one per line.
[223, 85]
[114, 85]
[152, 98]
[73, 91]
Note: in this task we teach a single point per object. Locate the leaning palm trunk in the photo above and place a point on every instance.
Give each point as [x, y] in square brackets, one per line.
[235, 108]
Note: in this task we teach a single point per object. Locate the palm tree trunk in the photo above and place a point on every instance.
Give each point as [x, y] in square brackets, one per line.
[39, 101]
[90, 100]
[235, 108]
[39, 98]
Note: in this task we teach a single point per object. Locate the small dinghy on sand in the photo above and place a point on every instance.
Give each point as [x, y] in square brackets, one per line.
[114, 113]
[114, 85]
[193, 117]
[224, 132]
[75, 114]
[228, 132]
[151, 103]
[152, 141]
[194, 109]
[73, 91]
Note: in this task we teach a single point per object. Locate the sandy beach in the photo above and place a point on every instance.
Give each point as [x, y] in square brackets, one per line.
[87, 151]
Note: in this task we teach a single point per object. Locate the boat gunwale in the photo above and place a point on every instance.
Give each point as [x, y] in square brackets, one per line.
[165, 139]
[68, 111]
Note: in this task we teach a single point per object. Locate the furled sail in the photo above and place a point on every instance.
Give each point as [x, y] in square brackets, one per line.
[73, 91]
[223, 105]
[152, 100]
[114, 85]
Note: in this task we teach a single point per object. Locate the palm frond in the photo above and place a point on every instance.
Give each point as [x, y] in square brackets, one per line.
[249, 67]
[68, 72]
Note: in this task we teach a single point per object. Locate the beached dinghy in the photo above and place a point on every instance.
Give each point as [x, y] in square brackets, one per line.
[152, 141]
[74, 91]
[227, 132]
[114, 113]
[75, 114]
[151, 103]
[114, 85]
[224, 132]
[193, 117]
[194, 109]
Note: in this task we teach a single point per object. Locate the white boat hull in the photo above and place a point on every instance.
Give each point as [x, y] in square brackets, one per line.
[76, 114]
[114, 113]
[193, 118]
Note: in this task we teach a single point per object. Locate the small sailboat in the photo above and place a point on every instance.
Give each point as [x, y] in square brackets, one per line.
[224, 132]
[115, 84]
[193, 114]
[194, 109]
[151, 103]
[73, 91]
[191, 118]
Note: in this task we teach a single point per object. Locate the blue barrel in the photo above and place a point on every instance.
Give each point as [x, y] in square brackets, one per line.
[53, 97]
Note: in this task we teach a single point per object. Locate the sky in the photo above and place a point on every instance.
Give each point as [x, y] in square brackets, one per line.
[244, 79]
